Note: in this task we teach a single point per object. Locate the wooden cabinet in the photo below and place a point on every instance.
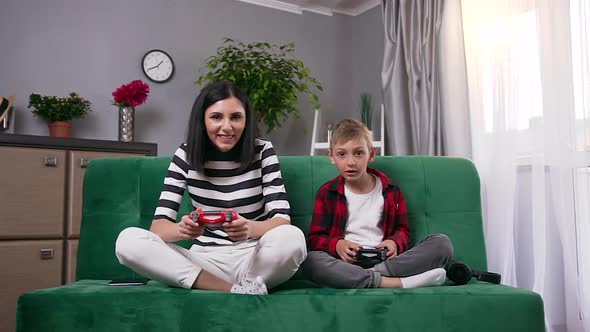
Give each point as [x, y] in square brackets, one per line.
[41, 182]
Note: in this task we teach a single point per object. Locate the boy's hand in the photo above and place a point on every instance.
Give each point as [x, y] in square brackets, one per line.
[189, 229]
[391, 248]
[347, 250]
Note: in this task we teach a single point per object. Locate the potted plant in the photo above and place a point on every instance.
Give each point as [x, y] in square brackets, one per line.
[270, 74]
[59, 111]
[366, 110]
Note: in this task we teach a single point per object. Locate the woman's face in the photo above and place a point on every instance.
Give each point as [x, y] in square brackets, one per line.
[225, 122]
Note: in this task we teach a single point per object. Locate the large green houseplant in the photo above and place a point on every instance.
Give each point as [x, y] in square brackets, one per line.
[59, 111]
[270, 74]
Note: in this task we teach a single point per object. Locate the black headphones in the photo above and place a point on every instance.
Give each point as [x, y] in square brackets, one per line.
[460, 273]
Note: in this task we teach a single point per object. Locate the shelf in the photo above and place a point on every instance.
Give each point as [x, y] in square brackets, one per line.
[46, 142]
[326, 145]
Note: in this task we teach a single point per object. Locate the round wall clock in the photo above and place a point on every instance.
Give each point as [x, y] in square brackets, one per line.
[157, 66]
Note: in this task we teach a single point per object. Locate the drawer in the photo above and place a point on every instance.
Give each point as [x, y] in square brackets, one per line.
[26, 266]
[33, 193]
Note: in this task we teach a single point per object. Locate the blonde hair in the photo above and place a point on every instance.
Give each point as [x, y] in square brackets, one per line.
[349, 130]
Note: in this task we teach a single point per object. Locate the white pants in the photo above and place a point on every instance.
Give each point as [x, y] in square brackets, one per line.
[275, 257]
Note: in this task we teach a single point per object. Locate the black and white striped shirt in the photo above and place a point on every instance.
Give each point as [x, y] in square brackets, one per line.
[256, 193]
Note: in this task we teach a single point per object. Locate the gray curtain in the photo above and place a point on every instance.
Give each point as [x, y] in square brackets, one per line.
[410, 77]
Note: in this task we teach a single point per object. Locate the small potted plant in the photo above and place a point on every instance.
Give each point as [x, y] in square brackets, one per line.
[366, 110]
[59, 111]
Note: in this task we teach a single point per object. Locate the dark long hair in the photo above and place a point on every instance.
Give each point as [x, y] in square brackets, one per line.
[199, 146]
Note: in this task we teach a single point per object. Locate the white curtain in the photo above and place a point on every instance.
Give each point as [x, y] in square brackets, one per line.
[453, 84]
[528, 77]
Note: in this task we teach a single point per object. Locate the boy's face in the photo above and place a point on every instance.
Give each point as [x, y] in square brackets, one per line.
[351, 158]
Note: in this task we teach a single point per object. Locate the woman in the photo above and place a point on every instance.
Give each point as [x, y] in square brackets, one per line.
[223, 166]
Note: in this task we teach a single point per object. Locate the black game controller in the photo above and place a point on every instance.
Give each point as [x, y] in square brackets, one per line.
[372, 253]
[369, 257]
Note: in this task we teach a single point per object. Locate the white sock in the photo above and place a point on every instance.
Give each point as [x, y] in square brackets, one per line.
[256, 287]
[434, 277]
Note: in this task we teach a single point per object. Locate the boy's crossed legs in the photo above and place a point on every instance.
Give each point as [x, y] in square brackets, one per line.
[420, 266]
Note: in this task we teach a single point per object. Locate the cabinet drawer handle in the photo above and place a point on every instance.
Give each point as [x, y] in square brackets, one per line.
[51, 161]
[84, 162]
[46, 253]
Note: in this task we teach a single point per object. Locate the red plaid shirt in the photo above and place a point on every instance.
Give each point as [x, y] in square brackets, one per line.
[330, 215]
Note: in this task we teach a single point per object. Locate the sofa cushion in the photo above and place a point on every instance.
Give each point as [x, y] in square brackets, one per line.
[91, 305]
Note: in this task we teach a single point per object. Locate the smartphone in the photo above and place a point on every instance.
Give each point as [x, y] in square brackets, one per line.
[128, 282]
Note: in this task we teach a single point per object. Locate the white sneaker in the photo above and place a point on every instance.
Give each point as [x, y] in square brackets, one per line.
[256, 287]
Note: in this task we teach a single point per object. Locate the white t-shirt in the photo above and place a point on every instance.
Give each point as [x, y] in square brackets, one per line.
[364, 214]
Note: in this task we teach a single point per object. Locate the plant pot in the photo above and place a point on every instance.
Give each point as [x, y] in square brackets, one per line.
[59, 128]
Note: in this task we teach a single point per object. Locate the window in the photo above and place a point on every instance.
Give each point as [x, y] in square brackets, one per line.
[580, 38]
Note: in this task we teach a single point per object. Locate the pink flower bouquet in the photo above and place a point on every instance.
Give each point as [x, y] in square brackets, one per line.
[133, 94]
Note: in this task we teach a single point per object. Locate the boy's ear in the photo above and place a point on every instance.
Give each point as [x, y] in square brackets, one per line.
[331, 156]
[372, 154]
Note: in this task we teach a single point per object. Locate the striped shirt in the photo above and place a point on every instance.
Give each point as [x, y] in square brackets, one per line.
[256, 193]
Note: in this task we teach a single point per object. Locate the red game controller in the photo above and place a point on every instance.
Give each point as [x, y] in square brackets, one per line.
[214, 218]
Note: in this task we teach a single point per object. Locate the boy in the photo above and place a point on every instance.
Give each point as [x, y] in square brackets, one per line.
[361, 208]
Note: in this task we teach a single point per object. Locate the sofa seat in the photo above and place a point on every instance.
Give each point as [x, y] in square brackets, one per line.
[93, 305]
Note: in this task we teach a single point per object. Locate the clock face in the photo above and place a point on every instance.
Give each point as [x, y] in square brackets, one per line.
[158, 66]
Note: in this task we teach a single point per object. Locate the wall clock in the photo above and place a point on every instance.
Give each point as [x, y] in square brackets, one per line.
[157, 66]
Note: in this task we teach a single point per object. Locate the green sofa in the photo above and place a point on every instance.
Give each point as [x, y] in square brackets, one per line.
[443, 196]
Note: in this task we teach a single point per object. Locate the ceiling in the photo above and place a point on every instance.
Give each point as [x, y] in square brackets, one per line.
[324, 7]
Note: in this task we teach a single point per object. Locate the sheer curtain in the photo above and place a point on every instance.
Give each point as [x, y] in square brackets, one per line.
[529, 97]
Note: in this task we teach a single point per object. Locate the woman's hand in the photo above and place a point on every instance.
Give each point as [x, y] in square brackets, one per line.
[391, 248]
[189, 229]
[238, 229]
[347, 250]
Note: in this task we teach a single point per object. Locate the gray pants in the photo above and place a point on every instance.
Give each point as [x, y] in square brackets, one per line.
[326, 270]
